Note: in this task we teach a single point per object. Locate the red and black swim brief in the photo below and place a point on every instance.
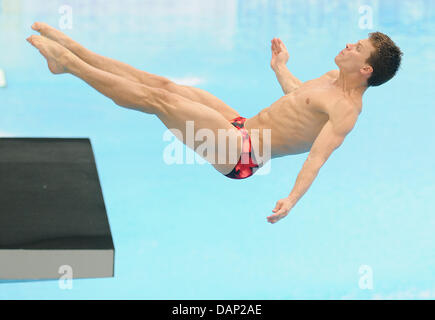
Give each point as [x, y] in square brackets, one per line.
[246, 166]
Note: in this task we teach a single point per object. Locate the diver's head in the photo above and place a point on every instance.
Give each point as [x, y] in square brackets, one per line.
[375, 59]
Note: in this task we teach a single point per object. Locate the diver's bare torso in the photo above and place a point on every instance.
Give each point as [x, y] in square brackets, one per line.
[297, 118]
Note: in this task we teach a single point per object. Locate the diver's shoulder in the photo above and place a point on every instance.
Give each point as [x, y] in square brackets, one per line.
[332, 73]
[337, 106]
[349, 105]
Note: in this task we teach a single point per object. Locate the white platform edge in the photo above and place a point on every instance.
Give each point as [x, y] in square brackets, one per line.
[19, 264]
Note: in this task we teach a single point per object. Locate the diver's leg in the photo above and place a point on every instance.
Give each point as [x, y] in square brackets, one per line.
[172, 109]
[126, 71]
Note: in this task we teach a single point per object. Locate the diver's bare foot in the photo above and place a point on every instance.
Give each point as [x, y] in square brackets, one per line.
[56, 55]
[52, 33]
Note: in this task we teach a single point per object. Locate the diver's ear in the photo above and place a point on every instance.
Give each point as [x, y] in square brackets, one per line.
[367, 70]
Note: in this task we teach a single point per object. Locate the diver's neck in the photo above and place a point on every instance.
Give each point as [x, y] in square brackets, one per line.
[350, 84]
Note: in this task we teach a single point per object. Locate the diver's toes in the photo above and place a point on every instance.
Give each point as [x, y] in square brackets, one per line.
[35, 40]
[40, 27]
[36, 26]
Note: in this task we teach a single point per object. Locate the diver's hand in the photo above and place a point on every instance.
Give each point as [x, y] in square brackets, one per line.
[280, 54]
[281, 210]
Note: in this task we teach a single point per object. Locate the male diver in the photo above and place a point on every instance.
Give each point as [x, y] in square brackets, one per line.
[313, 116]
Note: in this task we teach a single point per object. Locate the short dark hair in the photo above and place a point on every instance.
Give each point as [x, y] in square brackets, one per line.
[385, 60]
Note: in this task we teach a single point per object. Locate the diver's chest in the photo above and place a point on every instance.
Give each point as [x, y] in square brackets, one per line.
[313, 97]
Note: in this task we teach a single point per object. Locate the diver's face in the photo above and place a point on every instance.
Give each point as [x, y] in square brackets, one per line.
[354, 56]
